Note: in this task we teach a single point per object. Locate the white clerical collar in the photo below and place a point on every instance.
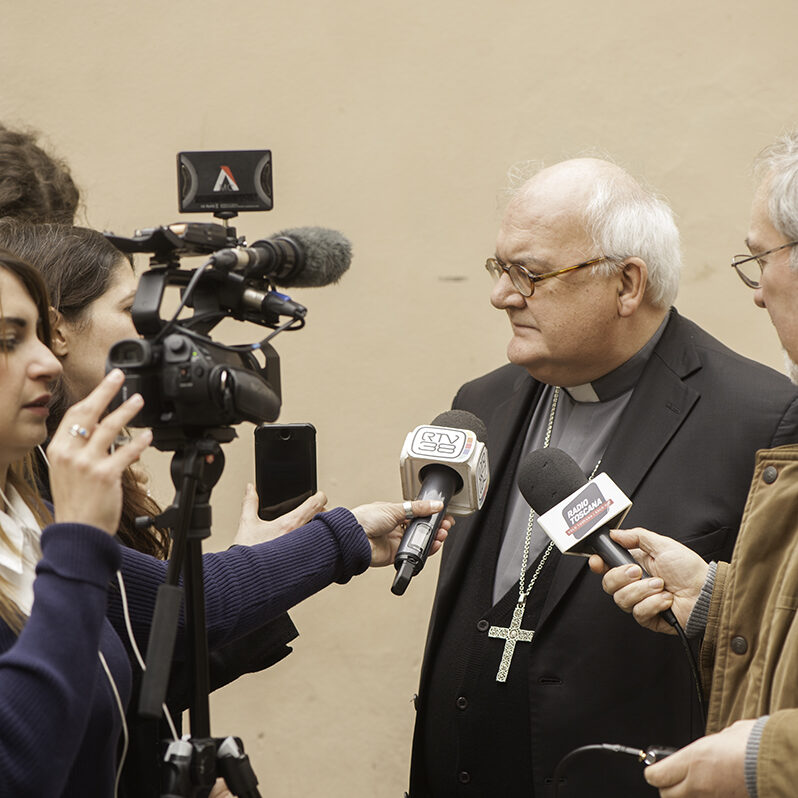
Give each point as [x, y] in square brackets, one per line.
[583, 393]
[621, 379]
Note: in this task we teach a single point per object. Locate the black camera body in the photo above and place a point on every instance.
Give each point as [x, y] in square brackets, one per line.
[189, 382]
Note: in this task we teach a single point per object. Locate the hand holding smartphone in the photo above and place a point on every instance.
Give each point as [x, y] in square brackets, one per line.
[285, 467]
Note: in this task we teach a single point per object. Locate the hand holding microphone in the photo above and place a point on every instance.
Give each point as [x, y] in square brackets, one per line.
[677, 572]
[447, 461]
[384, 525]
[570, 509]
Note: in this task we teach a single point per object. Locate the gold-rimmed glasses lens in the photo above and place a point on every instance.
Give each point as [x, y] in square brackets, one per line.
[749, 269]
[519, 277]
[521, 280]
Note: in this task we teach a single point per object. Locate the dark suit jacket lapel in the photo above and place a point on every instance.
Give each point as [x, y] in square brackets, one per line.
[658, 407]
[505, 423]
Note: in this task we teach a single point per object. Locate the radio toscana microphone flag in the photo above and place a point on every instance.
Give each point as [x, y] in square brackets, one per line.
[445, 460]
[573, 511]
[576, 512]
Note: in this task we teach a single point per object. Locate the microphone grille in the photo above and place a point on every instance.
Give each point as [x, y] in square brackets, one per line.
[327, 255]
[547, 476]
[462, 419]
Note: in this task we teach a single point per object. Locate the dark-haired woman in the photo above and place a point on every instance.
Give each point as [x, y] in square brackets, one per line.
[65, 673]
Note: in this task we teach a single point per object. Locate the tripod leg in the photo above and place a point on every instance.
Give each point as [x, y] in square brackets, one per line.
[176, 770]
[189, 768]
[234, 766]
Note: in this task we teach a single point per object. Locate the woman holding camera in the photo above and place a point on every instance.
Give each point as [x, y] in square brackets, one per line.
[91, 285]
[64, 668]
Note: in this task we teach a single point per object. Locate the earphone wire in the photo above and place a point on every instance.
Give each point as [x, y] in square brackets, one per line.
[125, 735]
[109, 675]
[137, 652]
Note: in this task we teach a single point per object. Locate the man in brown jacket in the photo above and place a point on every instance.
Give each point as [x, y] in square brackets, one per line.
[746, 610]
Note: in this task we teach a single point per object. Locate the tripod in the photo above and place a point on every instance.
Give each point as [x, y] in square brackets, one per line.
[193, 763]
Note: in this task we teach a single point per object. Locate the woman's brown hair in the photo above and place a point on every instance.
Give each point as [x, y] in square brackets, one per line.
[78, 266]
[21, 474]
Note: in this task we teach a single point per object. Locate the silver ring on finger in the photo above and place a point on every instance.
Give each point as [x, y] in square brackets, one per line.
[77, 431]
[407, 506]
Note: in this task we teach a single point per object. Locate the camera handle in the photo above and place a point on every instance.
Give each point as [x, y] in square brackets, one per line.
[196, 467]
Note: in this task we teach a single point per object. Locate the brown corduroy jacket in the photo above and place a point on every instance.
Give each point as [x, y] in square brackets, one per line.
[750, 653]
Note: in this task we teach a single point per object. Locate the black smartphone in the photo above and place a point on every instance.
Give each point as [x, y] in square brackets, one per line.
[285, 467]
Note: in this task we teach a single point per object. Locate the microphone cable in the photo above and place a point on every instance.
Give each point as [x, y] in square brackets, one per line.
[654, 753]
[693, 667]
[187, 293]
[648, 756]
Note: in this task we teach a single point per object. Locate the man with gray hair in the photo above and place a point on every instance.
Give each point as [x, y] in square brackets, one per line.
[526, 659]
[746, 608]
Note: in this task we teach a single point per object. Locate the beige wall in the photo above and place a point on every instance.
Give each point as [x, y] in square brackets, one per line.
[395, 122]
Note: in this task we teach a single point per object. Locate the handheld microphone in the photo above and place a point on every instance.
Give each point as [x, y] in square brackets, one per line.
[574, 512]
[305, 257]
[446, 460]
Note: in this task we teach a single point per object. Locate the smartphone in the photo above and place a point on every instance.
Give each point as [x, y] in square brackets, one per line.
[285, 467]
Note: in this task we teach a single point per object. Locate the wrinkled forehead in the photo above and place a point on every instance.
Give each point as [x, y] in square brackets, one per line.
[545, 227]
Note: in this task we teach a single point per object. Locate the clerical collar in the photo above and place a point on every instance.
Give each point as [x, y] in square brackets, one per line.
[619, 380]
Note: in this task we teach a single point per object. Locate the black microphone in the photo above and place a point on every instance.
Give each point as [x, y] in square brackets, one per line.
[547, 477]
[450, 461]
[305, 257]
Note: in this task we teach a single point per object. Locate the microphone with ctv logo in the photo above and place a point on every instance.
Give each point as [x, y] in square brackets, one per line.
[576, 513]
[445, 460]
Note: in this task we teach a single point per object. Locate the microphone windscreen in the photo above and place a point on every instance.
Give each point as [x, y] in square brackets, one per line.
[462, 419]
[547, 476]
[327, 255]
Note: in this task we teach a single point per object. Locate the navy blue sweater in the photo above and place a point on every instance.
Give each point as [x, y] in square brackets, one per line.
[59, 724]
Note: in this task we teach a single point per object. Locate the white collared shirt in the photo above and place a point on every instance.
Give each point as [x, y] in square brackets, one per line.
[20, 550]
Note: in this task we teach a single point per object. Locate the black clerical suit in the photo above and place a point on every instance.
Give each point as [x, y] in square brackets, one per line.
[683, 451]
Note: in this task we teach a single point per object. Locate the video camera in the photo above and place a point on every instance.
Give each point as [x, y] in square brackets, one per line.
[194, 390]
[189, 382]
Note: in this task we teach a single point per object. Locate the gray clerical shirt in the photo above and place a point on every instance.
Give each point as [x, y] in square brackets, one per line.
[583, 423]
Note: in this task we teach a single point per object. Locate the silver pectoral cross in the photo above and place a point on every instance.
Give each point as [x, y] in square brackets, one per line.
[511, 635]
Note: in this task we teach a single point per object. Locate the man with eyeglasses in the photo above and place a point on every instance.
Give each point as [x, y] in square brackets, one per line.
[746, 608]
[526, 658]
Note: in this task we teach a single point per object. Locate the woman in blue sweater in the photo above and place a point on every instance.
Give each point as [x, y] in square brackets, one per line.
[64, 671]
[91, 285]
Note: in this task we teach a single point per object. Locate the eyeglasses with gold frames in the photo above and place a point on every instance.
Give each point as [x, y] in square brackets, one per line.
[524, 280]
[749, 267]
